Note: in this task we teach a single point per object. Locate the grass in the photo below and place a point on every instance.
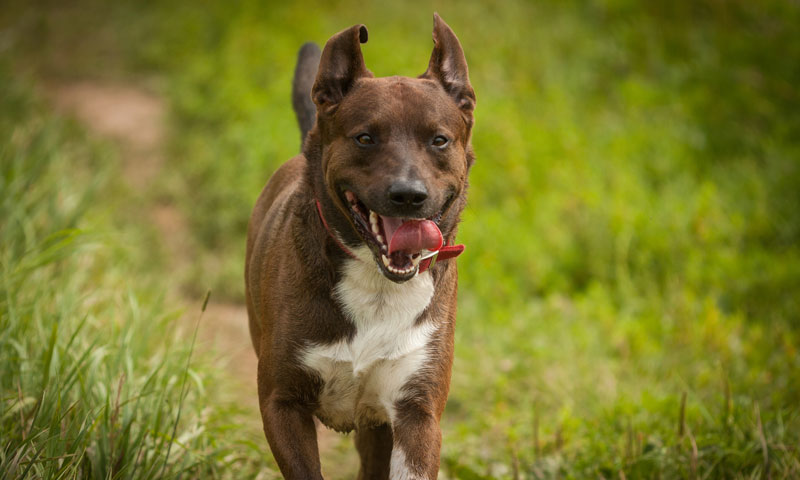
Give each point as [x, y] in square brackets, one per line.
[89, 386]
[628, 301]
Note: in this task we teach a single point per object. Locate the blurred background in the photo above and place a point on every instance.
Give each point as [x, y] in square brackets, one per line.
[629, 302]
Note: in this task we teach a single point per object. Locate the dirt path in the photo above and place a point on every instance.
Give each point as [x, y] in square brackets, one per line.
[136, 120]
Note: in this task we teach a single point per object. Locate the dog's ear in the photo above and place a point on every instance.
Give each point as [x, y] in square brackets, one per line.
[449, 66]
[340, 66]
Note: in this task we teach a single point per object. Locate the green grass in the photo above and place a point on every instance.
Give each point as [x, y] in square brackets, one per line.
[94, 380]
[633, 232]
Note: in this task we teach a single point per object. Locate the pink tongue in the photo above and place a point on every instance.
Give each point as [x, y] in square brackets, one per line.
[414, 236]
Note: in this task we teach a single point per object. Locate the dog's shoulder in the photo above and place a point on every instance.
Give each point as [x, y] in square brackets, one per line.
[272, 201]
[286, 179]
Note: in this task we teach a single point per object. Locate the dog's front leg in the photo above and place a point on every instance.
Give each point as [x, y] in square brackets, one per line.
[291, 433]
[374, 446]
[292, 437]
[417, 441]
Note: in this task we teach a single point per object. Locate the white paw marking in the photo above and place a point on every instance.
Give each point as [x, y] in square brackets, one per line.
[398, 468]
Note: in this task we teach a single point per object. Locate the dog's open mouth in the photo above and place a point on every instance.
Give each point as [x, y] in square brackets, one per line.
[402, 243]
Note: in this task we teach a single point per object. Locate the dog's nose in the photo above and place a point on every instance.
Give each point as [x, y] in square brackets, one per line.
[408, 193]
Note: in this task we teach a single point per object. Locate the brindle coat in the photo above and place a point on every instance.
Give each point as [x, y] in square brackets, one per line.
[297, 276]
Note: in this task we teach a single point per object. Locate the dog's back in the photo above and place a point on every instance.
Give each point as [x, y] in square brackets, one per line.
[266, 218]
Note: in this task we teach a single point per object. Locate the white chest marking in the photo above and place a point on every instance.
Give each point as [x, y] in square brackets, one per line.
[364, 377]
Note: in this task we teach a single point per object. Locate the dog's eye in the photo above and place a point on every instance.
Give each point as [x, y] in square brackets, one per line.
[364, 139]
[440, 141]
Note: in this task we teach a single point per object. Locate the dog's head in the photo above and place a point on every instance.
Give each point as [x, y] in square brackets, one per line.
[396, 150]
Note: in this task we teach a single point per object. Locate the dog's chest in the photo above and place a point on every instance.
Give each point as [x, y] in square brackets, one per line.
[364, 377]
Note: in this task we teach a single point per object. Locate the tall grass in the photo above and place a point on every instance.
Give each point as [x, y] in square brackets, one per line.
[93, 362]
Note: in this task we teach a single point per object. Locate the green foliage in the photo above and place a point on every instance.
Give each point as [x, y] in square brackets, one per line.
[633, 227]
[93, 364]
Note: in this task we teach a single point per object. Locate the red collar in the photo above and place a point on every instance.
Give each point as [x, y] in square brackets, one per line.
[445, 253]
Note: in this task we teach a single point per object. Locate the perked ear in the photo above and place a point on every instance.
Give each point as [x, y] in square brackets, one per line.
[449, 67]
[340, 66]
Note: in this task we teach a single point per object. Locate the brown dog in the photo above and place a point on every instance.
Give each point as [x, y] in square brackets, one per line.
[351, 320]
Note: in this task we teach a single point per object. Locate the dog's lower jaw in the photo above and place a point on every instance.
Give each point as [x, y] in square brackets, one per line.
[377, 259]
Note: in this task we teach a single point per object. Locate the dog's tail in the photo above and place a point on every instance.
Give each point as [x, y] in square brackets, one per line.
[304, 75]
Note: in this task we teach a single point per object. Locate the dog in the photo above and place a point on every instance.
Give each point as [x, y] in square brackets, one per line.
[350, 271]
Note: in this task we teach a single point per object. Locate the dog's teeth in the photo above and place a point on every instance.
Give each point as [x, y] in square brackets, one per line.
[399, 271]
[373, 220]
[380, 237]
[415, 261]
